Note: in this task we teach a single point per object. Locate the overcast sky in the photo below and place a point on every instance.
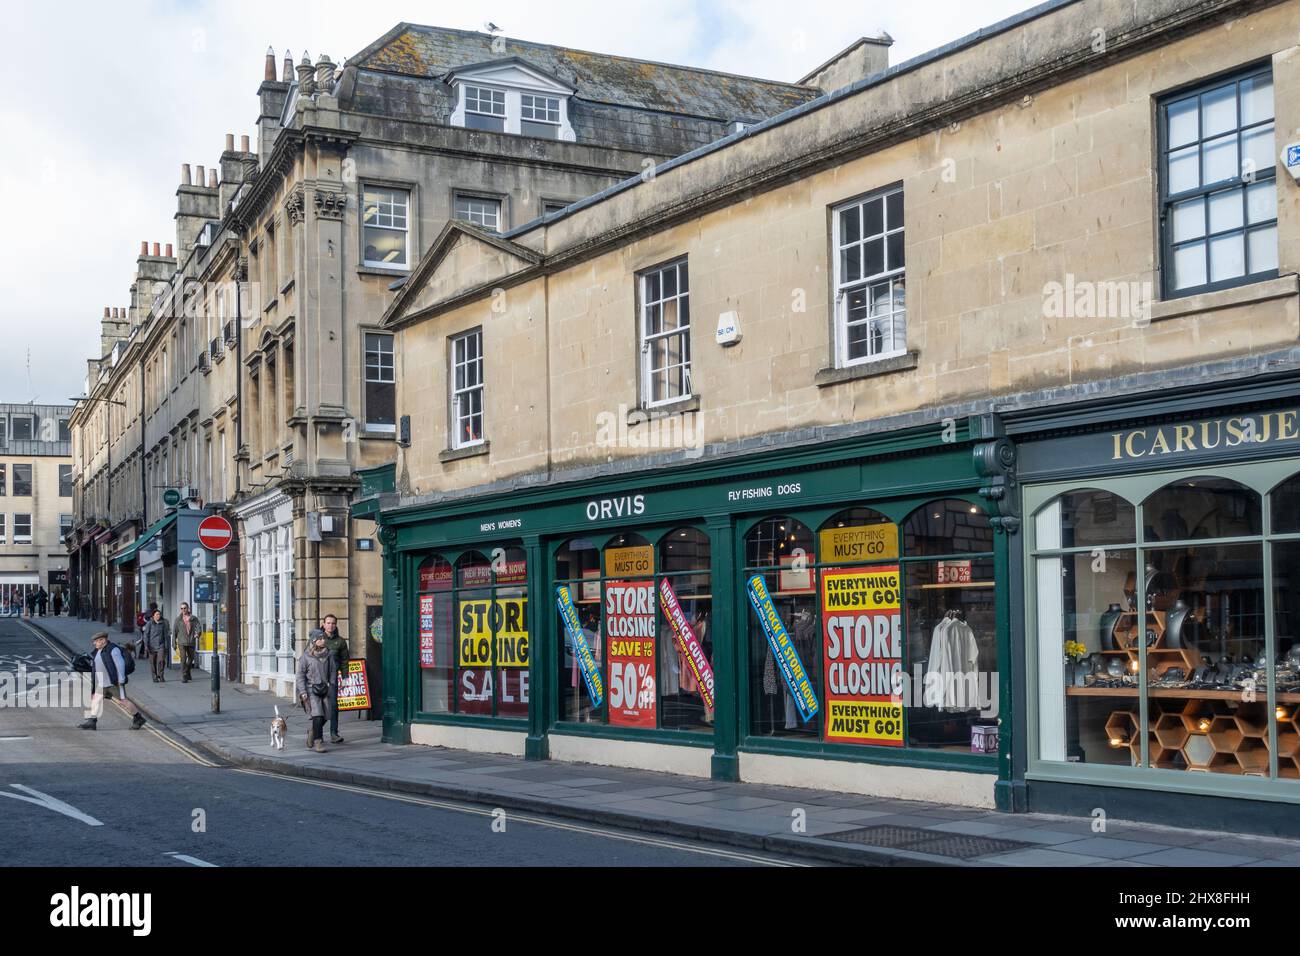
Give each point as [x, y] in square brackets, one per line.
[104, 101]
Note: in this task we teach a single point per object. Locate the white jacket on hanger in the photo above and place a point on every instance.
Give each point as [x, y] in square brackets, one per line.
[954, 658]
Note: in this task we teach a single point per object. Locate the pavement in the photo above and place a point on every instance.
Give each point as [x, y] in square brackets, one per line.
[817, 825]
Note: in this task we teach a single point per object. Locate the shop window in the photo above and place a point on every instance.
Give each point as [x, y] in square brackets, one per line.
[1178, 629]
[1284, 502]
[473, 631]
[950, 650]
[1091, 518]
[637, 632]
[1202, 508]
[781, 585]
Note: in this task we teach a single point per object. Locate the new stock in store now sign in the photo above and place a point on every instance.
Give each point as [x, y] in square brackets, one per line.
[862, 623]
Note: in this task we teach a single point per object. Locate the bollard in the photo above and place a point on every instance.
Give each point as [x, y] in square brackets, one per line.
[216, 681]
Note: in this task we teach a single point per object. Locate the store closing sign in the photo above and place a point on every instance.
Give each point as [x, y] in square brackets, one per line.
[870, 542]
[477, 622]
[783, 650]
[862, 625]
[354, 687]
[581, 649]
[427, 656]
[630, 631]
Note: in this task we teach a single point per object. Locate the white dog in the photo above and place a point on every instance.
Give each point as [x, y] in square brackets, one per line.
[278, 729]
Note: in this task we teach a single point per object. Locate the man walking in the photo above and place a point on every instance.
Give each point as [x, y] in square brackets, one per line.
[185, 632]
[337, 645]
[42, 600]
[110, 671]
[155, 645]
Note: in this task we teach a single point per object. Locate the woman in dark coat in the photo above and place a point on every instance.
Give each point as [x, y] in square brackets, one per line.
[316, 673]
[155, 645]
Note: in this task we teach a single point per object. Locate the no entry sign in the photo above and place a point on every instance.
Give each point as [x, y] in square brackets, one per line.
[215, 533]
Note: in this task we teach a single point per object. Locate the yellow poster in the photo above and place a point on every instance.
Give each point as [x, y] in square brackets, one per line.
[869, 542]
[636, 562]
[478, 619]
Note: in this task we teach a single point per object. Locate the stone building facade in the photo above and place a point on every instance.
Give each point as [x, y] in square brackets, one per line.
[263, 380]
[36, 502]
[921, 318]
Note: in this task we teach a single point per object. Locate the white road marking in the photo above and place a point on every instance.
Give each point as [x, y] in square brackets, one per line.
[10, 739]
[191, 860]
[50, 803]
[540, 821]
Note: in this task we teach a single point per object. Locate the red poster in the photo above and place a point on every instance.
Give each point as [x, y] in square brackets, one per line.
[426, 631]
[630, 635]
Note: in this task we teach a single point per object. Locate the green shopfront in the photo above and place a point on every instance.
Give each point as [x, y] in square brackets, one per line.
[1161, 568]
[831, 615]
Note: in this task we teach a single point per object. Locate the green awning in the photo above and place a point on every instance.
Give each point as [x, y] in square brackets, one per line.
[153, 532]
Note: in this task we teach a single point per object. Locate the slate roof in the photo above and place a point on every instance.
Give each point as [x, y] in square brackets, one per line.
[416, 50]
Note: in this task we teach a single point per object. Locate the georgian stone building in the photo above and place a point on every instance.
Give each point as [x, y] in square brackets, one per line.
[36, 502]
[250, 374]
[935, 438]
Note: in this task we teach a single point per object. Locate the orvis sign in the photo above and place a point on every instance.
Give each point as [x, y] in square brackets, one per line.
[1159, 445]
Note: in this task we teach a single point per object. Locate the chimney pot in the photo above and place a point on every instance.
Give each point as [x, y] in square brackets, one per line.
[287, 74]
[185, 174]
[230, 142]
[243, 144]
[170, 254]
[155, 250]
[144, 248]
[200, 176]
[107, 312]
[212, 179]
[269, 73]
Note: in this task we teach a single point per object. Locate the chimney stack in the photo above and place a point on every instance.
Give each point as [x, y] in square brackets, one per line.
[305, 85]
[185, 174]
[325, 74]
[269, 74]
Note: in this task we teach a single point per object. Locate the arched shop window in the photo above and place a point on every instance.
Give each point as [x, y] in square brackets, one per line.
[436, 635]
[951, 650]
[780, 553]
[474, 619]
[636, 647]
[1146, 645]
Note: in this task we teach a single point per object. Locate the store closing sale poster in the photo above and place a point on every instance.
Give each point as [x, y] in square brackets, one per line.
[862, 630]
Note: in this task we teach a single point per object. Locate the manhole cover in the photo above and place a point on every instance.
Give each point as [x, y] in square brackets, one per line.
[961, 846]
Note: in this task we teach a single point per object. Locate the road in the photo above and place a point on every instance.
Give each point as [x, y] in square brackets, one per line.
[133, 798]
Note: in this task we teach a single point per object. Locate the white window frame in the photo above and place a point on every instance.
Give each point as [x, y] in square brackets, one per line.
[550, 108]
[681, 298]
[405, 230]
[380, 370]
[481, 94]
[4, 529]
[22, 538]
[458, 198]
[461, 387]
[892, 324]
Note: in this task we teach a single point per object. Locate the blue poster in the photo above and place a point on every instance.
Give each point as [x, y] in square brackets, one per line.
[787, 658]
[581, 649]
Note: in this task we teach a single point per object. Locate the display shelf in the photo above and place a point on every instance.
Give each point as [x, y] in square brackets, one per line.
[1172, 693]
[1171, 734]
[1225, 736]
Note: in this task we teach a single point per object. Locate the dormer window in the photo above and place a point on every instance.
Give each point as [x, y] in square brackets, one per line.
[485, 109]
[510, 96]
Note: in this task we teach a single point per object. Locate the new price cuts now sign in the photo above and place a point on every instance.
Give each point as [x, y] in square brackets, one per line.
[215, 533]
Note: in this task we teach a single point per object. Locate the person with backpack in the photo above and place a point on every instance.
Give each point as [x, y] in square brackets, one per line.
[111, 669]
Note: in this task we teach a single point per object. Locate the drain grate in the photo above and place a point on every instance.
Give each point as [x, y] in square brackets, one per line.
[961, 846]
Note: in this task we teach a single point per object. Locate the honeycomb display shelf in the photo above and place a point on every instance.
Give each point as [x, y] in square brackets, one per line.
[1209, 735]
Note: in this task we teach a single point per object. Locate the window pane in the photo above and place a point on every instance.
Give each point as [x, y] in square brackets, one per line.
[851, 264]
[1189, 220]
[380, 404]
[947, 527]
[1182, 118]
[1286, 598]
[894, 210]
[895, 252]
[539, 130]
[873, 216]
[1256, 100]
[1257, 150]
[1093, 518]
[386, 246]
[1261, 202]
[1262, 249]
[1219, 111]
[1225, 210]
[1189, 266]
[1184, 173]
[1227, 258]
[494, 124]
[1202, 508]
[1219, 160]
[850, 225]
[873, 252]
